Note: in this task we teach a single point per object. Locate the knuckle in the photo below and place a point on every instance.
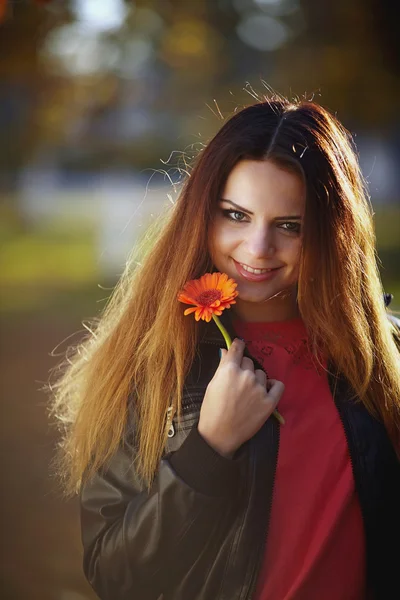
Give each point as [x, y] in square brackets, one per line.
[247, 374]
[230, 368]
[249, 377]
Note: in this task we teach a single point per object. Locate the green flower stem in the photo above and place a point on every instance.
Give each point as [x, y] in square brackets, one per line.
[228, 342]
[224, 332]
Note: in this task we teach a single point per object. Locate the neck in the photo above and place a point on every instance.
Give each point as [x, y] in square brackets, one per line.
[275, 309]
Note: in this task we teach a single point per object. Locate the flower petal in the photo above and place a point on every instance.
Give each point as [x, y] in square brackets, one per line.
[210, 294]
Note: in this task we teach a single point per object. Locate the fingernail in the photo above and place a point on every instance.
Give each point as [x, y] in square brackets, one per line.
[241, 339]
[220, 352]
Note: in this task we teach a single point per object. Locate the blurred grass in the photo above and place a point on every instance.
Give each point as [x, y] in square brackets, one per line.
[45, 258]
[55, 267]
[52, 266]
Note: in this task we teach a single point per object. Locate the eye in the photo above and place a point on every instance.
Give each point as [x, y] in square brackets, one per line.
[291, 226]
[234, 215]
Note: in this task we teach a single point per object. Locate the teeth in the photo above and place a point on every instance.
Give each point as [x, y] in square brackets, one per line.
[255, 271]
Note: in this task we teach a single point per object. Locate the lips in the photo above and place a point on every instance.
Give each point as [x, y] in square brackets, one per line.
[256, 277]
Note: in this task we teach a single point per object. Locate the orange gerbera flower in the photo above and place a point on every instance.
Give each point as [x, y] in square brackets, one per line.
[210, 294]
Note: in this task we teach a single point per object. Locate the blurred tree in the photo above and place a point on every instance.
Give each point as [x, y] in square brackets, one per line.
[122, 83]
[23, 83]
[383, 13]
[340, 57]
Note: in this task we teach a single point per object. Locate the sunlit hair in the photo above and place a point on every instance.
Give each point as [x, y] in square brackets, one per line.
[140, 350]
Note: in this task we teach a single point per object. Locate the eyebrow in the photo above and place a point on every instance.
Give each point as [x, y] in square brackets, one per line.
[242, 209]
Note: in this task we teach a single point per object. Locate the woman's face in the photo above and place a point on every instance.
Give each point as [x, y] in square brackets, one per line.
[256, 238]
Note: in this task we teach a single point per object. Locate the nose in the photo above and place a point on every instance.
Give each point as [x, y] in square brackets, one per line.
[261, 243]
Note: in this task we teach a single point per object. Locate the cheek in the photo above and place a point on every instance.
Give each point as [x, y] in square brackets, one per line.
[293, 252]
[222, 241]
[212, 241]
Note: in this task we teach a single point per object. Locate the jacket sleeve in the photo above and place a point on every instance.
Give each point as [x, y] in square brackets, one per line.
[139, 543]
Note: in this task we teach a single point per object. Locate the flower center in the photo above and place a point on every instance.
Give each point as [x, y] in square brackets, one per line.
[208, 297]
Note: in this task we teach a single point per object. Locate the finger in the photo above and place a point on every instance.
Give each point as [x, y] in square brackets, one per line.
[247, 364]
[270, 383]
[235, 352]
[275, 390]
[261, 377]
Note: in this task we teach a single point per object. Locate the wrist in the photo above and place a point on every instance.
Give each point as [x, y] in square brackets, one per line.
[220, 448]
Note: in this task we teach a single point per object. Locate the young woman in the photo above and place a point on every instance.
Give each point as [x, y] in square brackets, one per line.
[222, 502]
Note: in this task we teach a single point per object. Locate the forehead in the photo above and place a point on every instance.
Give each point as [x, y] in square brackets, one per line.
[261, 184]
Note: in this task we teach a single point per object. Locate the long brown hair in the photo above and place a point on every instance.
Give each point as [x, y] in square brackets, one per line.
[141, 348]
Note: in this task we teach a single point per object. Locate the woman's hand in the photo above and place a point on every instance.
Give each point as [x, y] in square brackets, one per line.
[236, 403]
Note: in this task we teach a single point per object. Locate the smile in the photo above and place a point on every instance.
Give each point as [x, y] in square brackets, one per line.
[255, 271]
[255, 275]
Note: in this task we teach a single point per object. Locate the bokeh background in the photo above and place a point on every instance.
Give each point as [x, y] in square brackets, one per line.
[103, 103]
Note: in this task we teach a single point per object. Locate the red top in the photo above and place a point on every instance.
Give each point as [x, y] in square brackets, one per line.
[316, 545]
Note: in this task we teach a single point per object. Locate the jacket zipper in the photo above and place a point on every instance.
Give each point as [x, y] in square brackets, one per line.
[169, 426]
[346, 426]
[187, 408]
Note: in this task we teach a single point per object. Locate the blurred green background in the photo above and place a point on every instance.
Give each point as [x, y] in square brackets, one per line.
[102, 105]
